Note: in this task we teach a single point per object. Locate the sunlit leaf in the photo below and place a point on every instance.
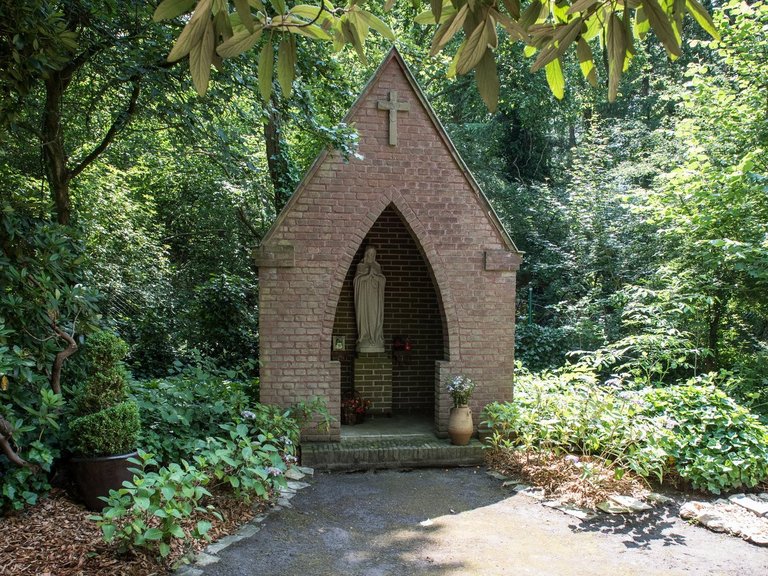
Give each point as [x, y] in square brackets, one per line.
[200, 59]
[266, 63]
[171, 8]
[241, 42]
[555, 79]
[286, 64]
[487, 79]
[703, 17]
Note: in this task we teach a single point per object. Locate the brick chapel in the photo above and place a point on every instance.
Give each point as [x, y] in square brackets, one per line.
[449, 265]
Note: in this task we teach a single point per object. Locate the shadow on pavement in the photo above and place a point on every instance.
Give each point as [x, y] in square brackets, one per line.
[641, 530]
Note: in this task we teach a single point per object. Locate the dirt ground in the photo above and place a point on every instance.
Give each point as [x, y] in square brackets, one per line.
[462, 522]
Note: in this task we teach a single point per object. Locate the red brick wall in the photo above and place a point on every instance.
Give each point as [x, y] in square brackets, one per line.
[411, 310]
[327, 220]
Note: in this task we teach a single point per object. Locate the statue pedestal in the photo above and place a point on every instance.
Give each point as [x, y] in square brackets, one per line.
[373, 381]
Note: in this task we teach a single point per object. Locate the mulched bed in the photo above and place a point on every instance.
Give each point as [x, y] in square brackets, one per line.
[55, 538]
[583, 481]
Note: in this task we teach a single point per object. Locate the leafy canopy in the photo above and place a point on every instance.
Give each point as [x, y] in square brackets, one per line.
[220, 29]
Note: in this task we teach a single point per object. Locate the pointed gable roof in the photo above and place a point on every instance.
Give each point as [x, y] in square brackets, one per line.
[395, 56]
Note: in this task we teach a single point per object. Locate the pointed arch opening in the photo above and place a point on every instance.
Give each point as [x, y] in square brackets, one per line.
[415, 330]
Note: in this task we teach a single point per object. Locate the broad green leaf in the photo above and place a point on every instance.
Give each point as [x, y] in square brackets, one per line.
[513, 8]
[266, 63]
[555, 78]
[222, 26]
[642, 26]
[168, 492]
[258, 4]
[532, 14]
[703, 17]
[108, 531]
[203, 526]
[244, 11]
[200, 59]
[563, 38]
[153, 534]
[311, 13]
[377, 24]
[559, 12]
[427, 18]
[278, 5]
[474, 48]
[171, 8]
[512, 27]
[451, 72]
[164, 549]
[448, 30]
[581, 6]
[192, 32]
[594, 27]
[351, 28]
[586, 62]
[241, 42]
[311, 31]
[491, 36]
[437, 9]
[286, 64]
[487, 80]
[662, 26]
[616, 45]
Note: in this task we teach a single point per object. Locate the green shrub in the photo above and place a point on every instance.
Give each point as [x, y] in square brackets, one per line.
[180, 410]
[249, 467]
[694, 429]
[114, 430]
[106, 421]
[716, 444]
[37, 437]
[150, 511]
[569, 411]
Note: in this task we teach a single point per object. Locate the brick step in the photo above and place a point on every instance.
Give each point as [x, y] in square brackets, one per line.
[415, 451]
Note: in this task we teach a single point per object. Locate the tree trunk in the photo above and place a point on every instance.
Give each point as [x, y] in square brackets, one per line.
[278, 162]
[712, 363]
[55, 156]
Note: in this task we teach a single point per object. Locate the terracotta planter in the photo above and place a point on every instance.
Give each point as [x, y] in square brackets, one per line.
[460, 427]
[97, 476]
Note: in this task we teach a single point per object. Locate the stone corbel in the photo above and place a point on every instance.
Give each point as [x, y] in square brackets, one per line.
[502, 260]
[278, 256]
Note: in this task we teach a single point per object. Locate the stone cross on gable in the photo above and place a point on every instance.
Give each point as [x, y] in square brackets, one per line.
[393, 106]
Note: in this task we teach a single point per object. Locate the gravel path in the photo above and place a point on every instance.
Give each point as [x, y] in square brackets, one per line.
[373, 524]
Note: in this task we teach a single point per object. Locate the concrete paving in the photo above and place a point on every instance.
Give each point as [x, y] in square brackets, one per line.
[462, 522]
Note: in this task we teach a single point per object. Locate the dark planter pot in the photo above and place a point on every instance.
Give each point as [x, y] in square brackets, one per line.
[350, 417]
[97, 476]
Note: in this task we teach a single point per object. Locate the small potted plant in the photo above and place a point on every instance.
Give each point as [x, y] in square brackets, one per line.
[105, 428]
[460, 425]
[353, 409]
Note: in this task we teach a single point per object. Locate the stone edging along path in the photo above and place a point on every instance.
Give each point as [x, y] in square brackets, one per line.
[210, 555]
[741, 515]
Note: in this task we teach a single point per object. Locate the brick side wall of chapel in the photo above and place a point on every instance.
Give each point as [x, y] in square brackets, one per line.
[328, 222]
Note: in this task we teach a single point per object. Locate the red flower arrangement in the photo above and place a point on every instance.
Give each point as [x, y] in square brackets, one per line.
[356, 404]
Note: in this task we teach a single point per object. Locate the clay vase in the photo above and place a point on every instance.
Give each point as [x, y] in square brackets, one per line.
[460, 426]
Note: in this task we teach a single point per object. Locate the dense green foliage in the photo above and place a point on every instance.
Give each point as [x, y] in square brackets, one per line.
[241, 453]
[692, 429]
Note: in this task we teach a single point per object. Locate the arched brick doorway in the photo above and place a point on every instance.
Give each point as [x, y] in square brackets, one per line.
[412, 311]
